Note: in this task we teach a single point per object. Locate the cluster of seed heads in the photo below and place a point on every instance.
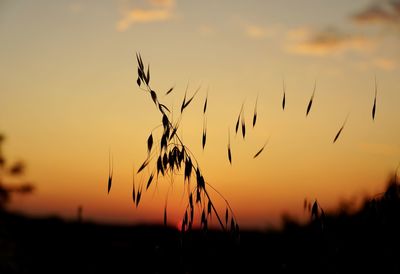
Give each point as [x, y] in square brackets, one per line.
[170, 157]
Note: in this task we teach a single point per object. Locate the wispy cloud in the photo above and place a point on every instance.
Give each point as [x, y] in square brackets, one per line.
[159, 10]
[385, 63]
[329, 41]
[258, 32]
[382, 12]
[381, 63]
[142, 16]
[163, 3]
[299, 33]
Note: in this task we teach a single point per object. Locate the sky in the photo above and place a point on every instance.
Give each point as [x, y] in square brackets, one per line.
[69, 97]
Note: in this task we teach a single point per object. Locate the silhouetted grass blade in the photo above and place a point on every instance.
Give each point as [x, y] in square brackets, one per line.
[153, 96]
[374, 106]
[309, 106]
[145, 163]
[139, 195]
[200, 180]
[150, 143]
[162, 107]
[238, 119]
[340, 130]
[338, 134]
[284, 96]
[261, 150]
[133, 187]
[191, 202]
[190, 100]
[255, 113]
[198, 197]
[150, 180]
[109, 183]
[163, 143]
[204, 133]
[184, 101]
[204, 139]
[229, 148]
[138, 82]
[243, 127]
[188, 168]
[311, 100]
[205, 104]
[237, 124]
[140, 73]
[110, 173]
[165, 161]
[373, 110]
[173, 132]
[169, 91]
[139, 60]
[165, 121]
[284, 100]
[148, 75]
[258, 153]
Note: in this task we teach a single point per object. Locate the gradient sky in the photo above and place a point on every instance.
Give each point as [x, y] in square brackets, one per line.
[68, 95]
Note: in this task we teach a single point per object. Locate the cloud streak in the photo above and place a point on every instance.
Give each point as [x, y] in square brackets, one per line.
[381, 63]
[258, 32]
[163, 3]
[159, 11]
[381, 12]
[385, 63]
[329, 41]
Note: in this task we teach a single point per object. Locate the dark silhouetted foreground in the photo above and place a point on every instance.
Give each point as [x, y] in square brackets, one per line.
[365, 241]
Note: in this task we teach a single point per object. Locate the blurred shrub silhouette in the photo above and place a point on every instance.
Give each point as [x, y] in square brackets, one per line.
[7, 172]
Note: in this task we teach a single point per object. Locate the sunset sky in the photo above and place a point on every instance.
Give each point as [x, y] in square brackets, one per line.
[68, 96]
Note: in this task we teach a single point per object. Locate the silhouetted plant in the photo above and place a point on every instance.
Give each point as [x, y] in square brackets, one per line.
[170, 156]
[317, 213]
[15, 170]
[386, 205]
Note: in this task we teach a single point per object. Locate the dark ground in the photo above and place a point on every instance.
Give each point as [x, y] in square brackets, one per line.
[367, 241]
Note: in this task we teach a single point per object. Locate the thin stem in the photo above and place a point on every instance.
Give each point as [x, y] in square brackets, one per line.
[222, 196]
[215, 210]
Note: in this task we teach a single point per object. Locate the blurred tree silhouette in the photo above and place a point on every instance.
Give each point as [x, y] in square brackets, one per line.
[10, 171]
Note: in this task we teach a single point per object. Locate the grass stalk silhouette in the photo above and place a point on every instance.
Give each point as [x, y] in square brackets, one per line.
[172, 155]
